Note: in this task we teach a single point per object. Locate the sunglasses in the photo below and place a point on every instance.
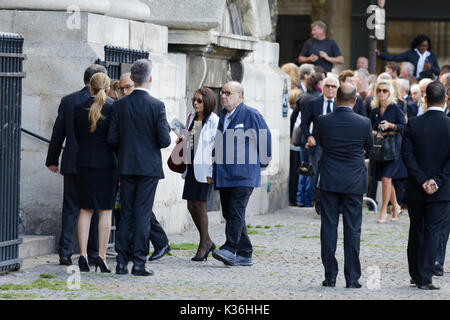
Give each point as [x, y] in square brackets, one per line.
[382, 90]
[226, 93]
[198, 100]
[330, 86]
[127, 87]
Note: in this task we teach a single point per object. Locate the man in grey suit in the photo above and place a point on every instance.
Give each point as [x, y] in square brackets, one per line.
[139, 128]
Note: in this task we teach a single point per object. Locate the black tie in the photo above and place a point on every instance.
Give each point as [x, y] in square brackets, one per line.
[329, 105]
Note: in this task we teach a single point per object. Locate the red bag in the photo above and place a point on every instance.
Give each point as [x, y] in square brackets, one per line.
[176, 159]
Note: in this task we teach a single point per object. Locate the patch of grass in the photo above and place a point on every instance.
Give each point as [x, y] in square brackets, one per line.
[267, 227]
[19, 296]
[255, 232]
[40, 283]
[309, 237]
[47, 276]
[249, 226]
[258, 226]
[279, 226]
[184, 246]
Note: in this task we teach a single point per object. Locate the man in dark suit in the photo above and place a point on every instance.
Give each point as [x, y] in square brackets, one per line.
[63, 129]
[243, 131]
[319, 106]
[428, 187]
[158, 236]
[344, 137]
[139, 127]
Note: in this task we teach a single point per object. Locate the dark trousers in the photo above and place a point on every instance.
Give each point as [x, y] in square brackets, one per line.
[373, 182]
[399, 186]
[234, 201]
[137, 194]
[351, 207]
[70, 213]
[315, 153]
[443, 239]
[294, 163]
[426, 220]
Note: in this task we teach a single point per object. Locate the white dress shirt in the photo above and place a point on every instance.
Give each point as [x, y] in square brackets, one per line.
[421, 62]
[228, 119]
[325, 105]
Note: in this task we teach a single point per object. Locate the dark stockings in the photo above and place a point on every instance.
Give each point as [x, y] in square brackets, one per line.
[200, 217]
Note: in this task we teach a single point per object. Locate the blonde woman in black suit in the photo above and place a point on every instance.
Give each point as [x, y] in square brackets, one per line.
[97, 164]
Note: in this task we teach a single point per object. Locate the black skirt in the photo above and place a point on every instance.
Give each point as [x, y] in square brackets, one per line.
[194, 190]
[96, 188]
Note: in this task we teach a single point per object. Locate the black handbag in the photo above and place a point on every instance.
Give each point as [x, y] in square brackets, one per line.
[384, 148]
[306, 169]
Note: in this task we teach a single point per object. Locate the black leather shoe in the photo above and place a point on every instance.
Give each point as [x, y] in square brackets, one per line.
[438, 269]
[65, 261]
[121, 269]
[429, 286]
[355, 285]
[329, 283]
[160, 253]
[140, 271]
[412, 281]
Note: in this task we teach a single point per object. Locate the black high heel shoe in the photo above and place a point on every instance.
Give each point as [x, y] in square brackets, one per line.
[99, 263]
[205, 257]
[83, 264]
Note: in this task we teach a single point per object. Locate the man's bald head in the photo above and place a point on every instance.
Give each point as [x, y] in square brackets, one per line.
[346, 95]
[232, 94]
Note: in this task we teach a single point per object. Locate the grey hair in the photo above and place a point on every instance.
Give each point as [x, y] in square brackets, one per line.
[329, 78]
[404, 84]
[305, 69]
[364, 74]
[126, 74]
[141, 71]
[384, 76]
[409, 67]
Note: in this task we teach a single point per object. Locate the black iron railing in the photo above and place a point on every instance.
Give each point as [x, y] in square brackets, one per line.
[11, 75]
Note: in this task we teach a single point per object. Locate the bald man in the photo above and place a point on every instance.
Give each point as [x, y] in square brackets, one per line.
[345, 137]
[243, 130]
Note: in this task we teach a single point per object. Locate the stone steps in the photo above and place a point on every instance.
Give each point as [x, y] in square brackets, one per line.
[34, 245]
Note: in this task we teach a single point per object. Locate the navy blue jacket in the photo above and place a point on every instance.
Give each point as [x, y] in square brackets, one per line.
[343, 135]
[139, 128]
[63, 129]
[426, 153]
[313, 110]
[412, 56]
[250, 139]
[93, 152]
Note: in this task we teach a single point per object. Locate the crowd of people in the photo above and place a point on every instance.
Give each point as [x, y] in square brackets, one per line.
[114, 133]
[389, 101]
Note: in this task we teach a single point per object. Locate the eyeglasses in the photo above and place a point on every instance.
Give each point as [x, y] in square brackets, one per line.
[127, 87]
[226, 93]
[198, 100]
[330, 86]
[382, 90]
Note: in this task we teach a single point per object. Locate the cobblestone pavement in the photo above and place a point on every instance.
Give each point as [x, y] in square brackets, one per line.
[286, 259]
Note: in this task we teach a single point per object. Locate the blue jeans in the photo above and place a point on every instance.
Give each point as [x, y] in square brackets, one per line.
[305, 190]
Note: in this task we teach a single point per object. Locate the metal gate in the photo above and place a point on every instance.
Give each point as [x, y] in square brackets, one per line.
[118, 61]
[11, 75]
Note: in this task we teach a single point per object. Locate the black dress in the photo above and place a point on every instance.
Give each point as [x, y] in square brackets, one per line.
[97, 161]
[194, 190]
[395, 169]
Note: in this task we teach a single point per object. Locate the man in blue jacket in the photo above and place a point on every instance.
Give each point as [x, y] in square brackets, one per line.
[242, 148]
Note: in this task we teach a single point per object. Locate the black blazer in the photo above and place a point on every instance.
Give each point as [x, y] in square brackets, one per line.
[411, 108]
[63, 129]
[301, 104]
[139, 127]
[93, 150]
[343, 135]
[313, 110]
[426, 153]
[359, 107]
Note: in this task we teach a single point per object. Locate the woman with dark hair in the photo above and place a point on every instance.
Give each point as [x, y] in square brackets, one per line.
[97, 162]
[202, 127]
[420, 55]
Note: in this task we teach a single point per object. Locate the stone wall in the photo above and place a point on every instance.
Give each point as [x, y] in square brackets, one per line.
[59, 46]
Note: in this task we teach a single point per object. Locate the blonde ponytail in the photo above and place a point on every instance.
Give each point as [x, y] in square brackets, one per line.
[99, 83]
